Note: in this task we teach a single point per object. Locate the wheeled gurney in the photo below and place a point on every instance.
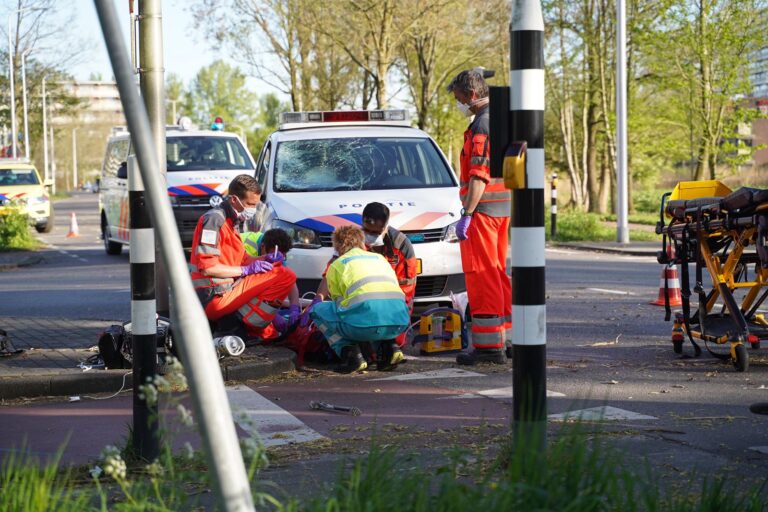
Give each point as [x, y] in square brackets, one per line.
[725, 232]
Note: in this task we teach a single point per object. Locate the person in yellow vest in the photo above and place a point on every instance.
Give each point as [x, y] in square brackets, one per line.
[252, 242]
[367, 304]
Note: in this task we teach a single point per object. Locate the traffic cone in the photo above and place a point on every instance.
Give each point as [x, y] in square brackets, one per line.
[673, 284]
[73, 229]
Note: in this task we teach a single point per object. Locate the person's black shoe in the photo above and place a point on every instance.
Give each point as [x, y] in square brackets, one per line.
[495, 356]
[352, 360]
[508, 351]
[391, 355]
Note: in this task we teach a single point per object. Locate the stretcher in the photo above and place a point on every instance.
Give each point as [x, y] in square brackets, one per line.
[707, 226]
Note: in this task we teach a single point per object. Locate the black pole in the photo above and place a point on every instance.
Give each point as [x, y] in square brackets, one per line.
[146, 437]
[553, 207]
[529, 404]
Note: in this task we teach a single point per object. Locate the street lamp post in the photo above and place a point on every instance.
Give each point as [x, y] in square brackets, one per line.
[45, 135]
[24, 102]
[74, 159]
[10, 73]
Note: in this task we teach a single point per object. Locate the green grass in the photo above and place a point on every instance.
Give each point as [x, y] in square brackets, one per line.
[15, 233]
[588, 227]
[648, 219]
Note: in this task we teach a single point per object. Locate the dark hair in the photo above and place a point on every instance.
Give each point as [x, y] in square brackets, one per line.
[243, 183]
[276, 237]
[376, 211]
[469, 81]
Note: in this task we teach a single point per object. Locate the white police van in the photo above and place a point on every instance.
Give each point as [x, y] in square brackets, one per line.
[200, 165]
[319, 170]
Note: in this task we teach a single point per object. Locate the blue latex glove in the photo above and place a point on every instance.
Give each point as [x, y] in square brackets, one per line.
[274, 257]
[293, 314]
[305, 320]
[462, 227]
[256, 267]
[280, 323]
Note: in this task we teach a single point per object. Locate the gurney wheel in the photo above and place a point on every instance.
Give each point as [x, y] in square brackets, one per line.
[741, 360]
[677, 346]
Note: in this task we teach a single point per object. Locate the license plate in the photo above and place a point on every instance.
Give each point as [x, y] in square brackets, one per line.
[418, 266]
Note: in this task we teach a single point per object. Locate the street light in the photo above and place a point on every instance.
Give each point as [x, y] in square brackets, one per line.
[74, 158]
[45, 135]
[24, 101]
[10, 73]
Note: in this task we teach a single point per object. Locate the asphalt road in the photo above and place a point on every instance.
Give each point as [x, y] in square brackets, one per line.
[606, 347]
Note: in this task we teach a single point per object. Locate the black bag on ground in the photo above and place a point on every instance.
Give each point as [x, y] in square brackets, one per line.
[111, 347]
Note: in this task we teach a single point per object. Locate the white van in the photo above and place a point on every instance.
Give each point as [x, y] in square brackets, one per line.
[200, 164]
[319, 170]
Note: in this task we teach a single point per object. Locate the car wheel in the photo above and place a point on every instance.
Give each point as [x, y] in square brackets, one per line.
[48, 226]
[110, 247]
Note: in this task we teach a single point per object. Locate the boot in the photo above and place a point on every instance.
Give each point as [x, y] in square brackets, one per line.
[352, 360]
[494, 355]
[508, 350]
[391, 356]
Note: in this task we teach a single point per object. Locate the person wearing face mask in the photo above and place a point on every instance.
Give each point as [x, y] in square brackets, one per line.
[240, 293]
[396, 249]
[483, 229]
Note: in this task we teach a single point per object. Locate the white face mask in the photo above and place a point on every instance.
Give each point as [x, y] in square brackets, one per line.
[247, 213]
[464, 108]
[374, 240]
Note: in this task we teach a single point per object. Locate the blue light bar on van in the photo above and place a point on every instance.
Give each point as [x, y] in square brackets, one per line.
[344, 116]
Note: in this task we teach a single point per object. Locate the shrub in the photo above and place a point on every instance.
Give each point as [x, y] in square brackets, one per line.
[14, 232]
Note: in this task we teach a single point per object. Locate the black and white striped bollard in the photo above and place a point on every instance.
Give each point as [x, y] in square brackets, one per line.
[529, 405]
[553, 208]
[146, 438]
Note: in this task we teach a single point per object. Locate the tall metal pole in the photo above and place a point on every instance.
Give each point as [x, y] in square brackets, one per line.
[191, 326]
[13, 87]
[152, 82]
[74, 159]
[622, 213]
[529, 335]
[24, 103]
[45, 134]
[53, 160]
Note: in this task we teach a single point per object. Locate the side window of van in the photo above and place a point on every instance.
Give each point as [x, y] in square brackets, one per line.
[117, 153]
[263, 165]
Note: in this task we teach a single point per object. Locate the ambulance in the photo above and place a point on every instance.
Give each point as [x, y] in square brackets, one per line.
[320, 169]
[200, 165]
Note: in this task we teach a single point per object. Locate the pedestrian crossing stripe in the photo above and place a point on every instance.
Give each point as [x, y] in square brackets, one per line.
[504, 393]
[603, 413]
[446, 373]
[272, 424]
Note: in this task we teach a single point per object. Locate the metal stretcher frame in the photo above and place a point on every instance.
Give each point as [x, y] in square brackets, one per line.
[717, 239]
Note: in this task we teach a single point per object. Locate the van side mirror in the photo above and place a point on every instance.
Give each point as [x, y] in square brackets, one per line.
[48, 182]
[122, 171]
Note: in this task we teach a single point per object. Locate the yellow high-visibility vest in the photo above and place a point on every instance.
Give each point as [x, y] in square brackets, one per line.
[358, 276]
[251, 241]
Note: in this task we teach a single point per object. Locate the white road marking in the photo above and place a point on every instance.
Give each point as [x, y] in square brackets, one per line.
[606, 290]
[603, 413]
[272, 424]
[446, 373]
[561, 251]
[504, 393]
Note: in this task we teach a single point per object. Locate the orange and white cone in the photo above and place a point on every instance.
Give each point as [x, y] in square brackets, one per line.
[673, 285]
[73, 229]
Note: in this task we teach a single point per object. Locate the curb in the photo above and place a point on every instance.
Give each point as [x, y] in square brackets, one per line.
[26, 261]
[610, 250]
[280, 360]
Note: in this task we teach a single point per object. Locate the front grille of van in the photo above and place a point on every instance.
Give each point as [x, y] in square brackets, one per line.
[193, 201]
[423, 236]
[430, 286]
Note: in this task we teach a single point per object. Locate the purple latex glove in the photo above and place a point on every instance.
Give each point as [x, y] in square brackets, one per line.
[293, 314]
[274, 257]
[280, 323]
[256, 267]
[305, 320]
[462, 227]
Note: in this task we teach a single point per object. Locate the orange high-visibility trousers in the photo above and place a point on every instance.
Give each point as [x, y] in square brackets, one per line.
[255, 299]
[489, 288]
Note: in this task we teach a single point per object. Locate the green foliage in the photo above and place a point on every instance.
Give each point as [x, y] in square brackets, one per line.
[219, 90]
[589, 227]
[15, 233]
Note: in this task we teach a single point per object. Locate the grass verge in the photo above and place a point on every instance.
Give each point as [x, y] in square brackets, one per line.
[588, 227]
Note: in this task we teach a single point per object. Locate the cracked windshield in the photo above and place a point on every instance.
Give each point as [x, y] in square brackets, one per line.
[359, 163]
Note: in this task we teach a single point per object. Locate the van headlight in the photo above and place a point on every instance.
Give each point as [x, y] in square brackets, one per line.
[302, 238]
[38, 200]
[450, 233]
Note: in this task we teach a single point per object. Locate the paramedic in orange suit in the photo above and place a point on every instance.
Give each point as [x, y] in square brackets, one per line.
[483, 229]
[240, 293]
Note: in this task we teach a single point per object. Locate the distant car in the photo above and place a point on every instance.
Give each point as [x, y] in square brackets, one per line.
[22, 190]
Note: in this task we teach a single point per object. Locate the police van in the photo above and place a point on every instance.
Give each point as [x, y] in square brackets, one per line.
[200, 165]
[320, 169]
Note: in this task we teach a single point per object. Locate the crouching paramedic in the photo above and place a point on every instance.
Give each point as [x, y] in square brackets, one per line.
[396, 249]
[238, 292]
[367, 304]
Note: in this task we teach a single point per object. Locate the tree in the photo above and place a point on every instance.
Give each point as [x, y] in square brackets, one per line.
[175, 95]
[220, 90]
